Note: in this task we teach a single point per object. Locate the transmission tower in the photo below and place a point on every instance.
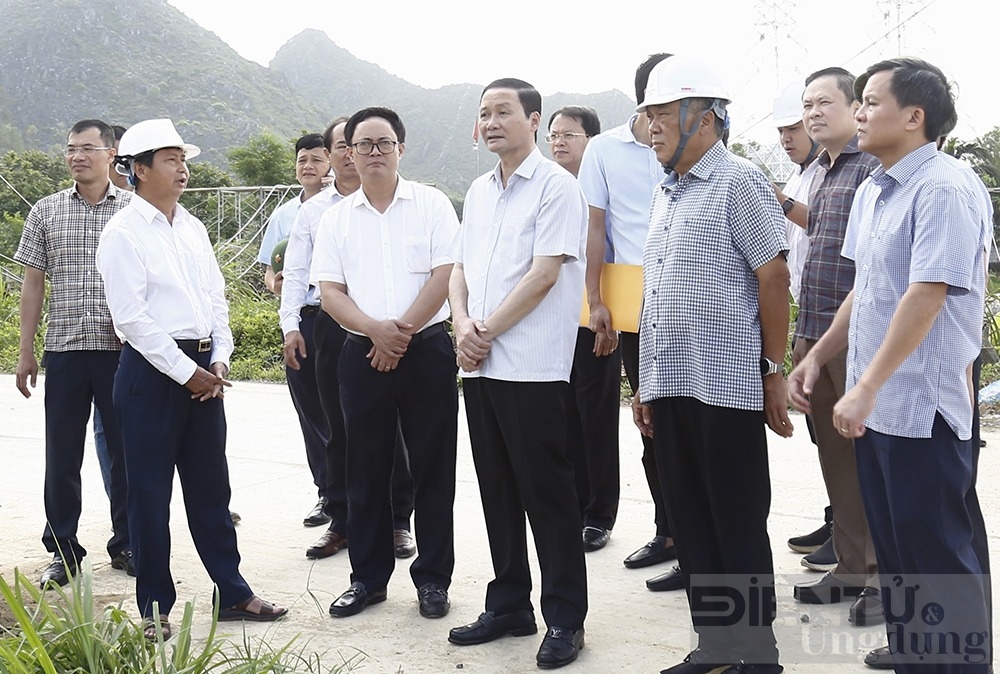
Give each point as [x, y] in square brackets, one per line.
[776, 23]
[895, 13]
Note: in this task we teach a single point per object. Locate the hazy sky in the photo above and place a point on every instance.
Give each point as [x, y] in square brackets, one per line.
[759, 46]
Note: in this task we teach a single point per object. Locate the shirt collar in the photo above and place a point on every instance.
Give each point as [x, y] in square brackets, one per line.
[904, 169]
[404, 190]
[850, 148]
[113, 192]
[702, 168]
[526, 169]
[625, 134]
[149, 212]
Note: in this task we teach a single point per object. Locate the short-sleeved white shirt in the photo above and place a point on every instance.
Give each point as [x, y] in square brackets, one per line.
[618, 175]
[542, 212]
[797, 188]
[385, 259]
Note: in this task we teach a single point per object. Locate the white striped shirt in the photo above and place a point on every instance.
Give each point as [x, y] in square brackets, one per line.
[541, 213]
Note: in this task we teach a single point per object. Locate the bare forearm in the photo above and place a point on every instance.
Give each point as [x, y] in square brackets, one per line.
[458, 293]
[914, 317]
[525, 297]
[596, 250]
[429, 299]
[30, 310]
[774, 314]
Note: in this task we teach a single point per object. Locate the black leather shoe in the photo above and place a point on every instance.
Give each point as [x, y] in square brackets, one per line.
[866, 609]
[595, 538]
[655, 552]
[57, 573]
[123, 562]
[489, 626]
[827, 590]
[743, 668]
[355, 600]
[328, 545]
[665, 582]
[317, 517]
[880, 658]
[559, 647]
[434, 602]
[695, 662]
[404, 546]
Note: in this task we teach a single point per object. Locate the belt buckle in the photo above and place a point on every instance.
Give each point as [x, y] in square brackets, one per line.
[204, 345]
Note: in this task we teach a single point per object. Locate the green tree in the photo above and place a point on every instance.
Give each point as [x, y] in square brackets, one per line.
[264, 160]
[33, 174]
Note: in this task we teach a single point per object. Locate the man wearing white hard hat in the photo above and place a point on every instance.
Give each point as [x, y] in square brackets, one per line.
[711, 341]
[167, 300]
[81, 350]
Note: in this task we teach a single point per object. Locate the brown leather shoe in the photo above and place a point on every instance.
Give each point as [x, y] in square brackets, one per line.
[329, 544]
[403, 542]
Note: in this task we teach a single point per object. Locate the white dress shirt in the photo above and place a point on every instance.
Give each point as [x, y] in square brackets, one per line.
[163, 283]
[541, 213]
[295, 289]
[385, 259]
[797, 188]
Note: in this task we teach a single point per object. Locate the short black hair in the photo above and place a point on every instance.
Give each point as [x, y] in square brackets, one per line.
[310, 141]
[845, 80]
[642, 74]
[119, 131]
[367, 113]
[328, 133]
[587, 117]
[531, 100]
[916, 82]
[107, 133]
[702, 104]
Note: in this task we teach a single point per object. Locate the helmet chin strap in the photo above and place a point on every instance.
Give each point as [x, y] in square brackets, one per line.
[715, 108]
[813, 153]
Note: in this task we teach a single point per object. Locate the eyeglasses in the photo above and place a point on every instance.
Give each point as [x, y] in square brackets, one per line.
[85, 150]
[365, 147]
[568, 137]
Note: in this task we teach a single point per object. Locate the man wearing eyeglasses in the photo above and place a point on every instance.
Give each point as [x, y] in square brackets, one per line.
[60, 240]
[382, 261]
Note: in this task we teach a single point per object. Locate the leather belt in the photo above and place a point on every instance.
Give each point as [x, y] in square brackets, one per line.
[195, 345]
[309, 310]
[415, 339]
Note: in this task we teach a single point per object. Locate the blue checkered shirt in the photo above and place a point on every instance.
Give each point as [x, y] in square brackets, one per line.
[699, 332]
[919, 222]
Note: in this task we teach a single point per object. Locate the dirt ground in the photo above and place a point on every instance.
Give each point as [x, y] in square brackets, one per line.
[629, 629]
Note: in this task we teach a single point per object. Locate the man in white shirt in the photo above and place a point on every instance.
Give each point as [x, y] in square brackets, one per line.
[516, 292]
[312, 164]
[299, 300]
[167, 300]
[382, 262]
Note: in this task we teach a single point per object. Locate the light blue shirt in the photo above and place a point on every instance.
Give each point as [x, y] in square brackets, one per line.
[921, 221]
[618, 175]
[279, 226]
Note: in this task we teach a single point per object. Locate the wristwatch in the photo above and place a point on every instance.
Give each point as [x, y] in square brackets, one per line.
[787, 205]
[768, 367]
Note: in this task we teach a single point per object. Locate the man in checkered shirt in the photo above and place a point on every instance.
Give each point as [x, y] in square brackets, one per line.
[81, 350]
[912, 326]
[711, 337]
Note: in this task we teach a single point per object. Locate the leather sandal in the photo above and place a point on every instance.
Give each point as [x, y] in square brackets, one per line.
[151, 633]
[254, 609]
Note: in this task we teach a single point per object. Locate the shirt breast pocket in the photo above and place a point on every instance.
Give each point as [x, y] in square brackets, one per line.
[417, 254]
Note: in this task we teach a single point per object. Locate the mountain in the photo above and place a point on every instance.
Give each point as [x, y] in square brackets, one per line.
[128, 60]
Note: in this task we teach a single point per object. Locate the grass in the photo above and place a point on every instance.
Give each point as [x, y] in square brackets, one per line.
[61, 632]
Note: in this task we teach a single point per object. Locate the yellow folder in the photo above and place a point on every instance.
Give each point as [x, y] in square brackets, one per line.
[621, 290]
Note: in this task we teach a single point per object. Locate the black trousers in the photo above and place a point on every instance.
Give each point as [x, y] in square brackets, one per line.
[163, 429]
[422, 393]
[980, 539]
[74, 382]
[592, 430]
[328, 338]
[518, 439]
[306, 401]
[629, 346]
[713, 464]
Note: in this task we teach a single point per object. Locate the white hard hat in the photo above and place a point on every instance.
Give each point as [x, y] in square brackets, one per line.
[788, 106]
[153, 134]
[681, 77]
